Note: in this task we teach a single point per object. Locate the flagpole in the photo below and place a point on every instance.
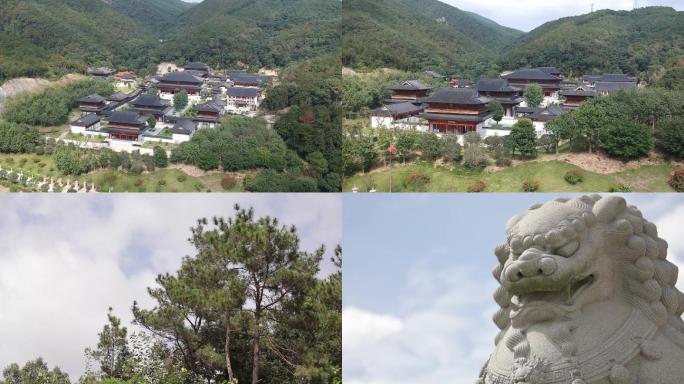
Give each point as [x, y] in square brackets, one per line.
[390, 170]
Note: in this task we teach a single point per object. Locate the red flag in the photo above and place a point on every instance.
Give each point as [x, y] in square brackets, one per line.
[392, 150]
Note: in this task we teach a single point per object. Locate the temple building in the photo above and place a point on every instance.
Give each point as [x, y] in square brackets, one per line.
[388, 116]
[209, 114]
[92, 103]
[499, 90]
[126, 125]
[456, 111]
[608, 87]
[100, 72]
[591, 80]
[461, 83]
[87, 125]
[249, 80]
[409, 90]
[125, 79]
[573, 98]
[183, 130]
[151, 105]
[520, 79]
[197, 69]
[176, 82]
[242, 98]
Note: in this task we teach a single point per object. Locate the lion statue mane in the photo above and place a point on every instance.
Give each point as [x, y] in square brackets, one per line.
[586, 296]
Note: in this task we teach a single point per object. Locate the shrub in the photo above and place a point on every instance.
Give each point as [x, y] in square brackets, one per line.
[620, 188]
[417, 181]
[531, 185]
[574, 176]
[677, 180]
[478, 186]
[627, 140]
[182, 178]
[672, 137]
[303, 184]
[228, 182]
[160, 158]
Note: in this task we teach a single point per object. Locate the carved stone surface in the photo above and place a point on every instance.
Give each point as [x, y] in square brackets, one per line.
[586, 296]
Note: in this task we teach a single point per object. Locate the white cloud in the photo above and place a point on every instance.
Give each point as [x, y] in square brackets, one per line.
[65, 259]
[671, 228]
[361, 327]
[529, 14]
[446, 333]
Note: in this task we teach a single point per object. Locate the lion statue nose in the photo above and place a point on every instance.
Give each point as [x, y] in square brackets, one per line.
[541, 266]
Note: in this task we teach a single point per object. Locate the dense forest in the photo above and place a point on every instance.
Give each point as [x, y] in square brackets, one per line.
[154, 15]
[47, 38]
[248, 307]
[270, 33]
[645, 42]
[308, 101]
[388, 33]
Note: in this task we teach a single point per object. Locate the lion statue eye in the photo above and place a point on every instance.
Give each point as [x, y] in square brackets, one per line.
[568, 249]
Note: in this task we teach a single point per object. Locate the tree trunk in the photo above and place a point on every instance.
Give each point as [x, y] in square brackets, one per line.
[229, 367]
[255, 347]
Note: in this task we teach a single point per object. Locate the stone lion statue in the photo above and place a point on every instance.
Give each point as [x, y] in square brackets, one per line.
[586, 296]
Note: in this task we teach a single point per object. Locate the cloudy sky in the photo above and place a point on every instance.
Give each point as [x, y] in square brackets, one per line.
[418, 284]
[65, 259]
[526, 15]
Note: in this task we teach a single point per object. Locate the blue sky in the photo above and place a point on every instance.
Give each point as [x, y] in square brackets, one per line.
[418, 285]
[64, 259]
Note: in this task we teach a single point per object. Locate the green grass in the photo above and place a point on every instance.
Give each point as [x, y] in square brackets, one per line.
[549, 173]
[161, 180]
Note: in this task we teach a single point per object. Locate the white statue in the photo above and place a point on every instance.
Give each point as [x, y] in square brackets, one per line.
[587, 296]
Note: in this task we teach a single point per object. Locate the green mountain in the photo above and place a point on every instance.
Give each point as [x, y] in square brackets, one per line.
[404, 34]
[48, 38]
[155, 15]
[482, 30]
[273, 33]
[53, 37]
[641, 42]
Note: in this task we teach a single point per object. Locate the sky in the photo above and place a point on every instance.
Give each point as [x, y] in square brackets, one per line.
[65, 259]
[526, 15]
[418, 286]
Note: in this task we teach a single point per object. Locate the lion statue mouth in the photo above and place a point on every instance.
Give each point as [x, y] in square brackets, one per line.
[566, 295]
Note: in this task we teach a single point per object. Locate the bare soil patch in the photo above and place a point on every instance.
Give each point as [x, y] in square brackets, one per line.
[27, 84]
[191, 170]
[601, 163]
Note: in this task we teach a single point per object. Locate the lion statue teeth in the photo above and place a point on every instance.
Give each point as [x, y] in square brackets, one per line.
[586, 296]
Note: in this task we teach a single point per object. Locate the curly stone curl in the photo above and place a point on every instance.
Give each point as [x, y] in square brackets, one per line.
[649, 277]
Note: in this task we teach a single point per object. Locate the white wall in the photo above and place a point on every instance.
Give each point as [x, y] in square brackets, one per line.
[77, 129]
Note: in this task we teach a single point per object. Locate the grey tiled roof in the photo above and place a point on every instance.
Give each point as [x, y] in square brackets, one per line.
[464, 96]
[87, 120]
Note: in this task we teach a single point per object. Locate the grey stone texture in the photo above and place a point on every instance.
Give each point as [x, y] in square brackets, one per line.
[586, 296]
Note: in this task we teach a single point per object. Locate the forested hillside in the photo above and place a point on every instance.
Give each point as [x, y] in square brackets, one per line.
[415, 35]
[388, 33]
[154, 15]
[641, 42]
[487, 32]
[272, 33]
[49, 38]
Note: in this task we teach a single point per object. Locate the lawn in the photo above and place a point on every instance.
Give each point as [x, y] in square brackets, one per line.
[162, 180]
[652, 178]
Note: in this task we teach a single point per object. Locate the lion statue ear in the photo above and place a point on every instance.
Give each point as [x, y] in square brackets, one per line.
[608, 207]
